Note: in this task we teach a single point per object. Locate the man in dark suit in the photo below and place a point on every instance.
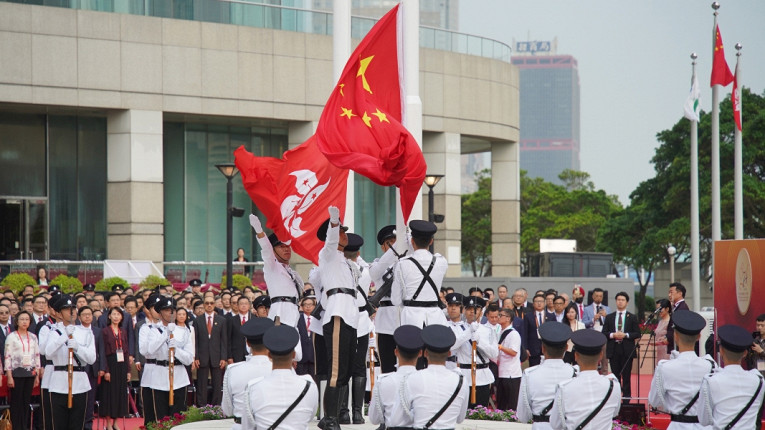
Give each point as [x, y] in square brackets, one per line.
[622, 330]
[677, 297]
[532, 320]
[237, 342]
[5, 326]
[306, 364]
[212, 348]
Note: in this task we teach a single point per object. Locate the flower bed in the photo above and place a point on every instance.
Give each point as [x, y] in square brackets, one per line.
[486, 414]
[192, 414]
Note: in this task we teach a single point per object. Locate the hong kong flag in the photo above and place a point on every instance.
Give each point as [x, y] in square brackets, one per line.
[293, 192]
[360, 128]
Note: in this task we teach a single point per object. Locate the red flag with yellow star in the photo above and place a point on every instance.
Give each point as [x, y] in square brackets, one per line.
[360, 128]
[721, 74]
[293, 192]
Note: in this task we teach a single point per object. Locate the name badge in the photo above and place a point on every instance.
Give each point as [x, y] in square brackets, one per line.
[120, 356]
[26, 360]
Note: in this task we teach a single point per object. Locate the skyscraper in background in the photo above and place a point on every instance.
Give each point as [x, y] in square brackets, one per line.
[549, 109]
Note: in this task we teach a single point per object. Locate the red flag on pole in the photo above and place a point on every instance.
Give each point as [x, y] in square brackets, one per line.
[360, 128]
[721, 74]
[294, 192]
[735, 98]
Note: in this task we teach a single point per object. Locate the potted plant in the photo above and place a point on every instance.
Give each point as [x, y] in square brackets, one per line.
[68, 284]
[238, 281]
[17, 281]
[153, 281]
[106, 284]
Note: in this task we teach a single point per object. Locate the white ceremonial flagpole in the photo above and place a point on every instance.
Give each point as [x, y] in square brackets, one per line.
[716, 226]
[738, 199]
[341, 51]
[695, 263]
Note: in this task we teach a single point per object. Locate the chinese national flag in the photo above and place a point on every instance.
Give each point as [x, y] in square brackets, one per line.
[294, 192]
[735, 98]
[360, 128]
[721, 74]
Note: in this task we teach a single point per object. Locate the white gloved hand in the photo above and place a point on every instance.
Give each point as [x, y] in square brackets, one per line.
[171, 327]
[474, 337]
[674, 354]
[474, 326]
[171, 343]
[70, 329]
[255, 223]
[334, 215]
[71, 343]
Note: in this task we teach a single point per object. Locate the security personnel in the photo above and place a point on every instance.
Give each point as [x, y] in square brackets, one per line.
[733, 397]
[284, 284]
[47, 363]
[282, 399]
[158, 347]
[436, 396]
[341, 315]
[386, 318]
[63, 337]
[417, 279]
[677, 382]
[539, 383]
[486, 350]
[385, 406]
[262, 306]
[147, 394]
[591, 400]
[462, 332]
[256, 365]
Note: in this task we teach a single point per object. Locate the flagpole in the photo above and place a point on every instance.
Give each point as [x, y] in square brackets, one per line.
[738, 204]
[341, 50]
[716, 226]
[695, 263]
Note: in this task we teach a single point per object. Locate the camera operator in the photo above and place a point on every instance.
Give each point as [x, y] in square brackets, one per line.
[756, 358]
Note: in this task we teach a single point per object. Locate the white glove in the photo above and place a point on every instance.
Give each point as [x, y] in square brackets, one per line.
[255, 223]
[334, 215]
[474, 337]
[71, 343]
[70, 329]
[171, 343]
[474, 326]
[171, 327]
[674, 354]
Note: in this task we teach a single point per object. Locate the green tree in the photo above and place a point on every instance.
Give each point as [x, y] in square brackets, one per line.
[476, 226]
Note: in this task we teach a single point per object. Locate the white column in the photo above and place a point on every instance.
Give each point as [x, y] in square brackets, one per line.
[341, 51]
[505, 210]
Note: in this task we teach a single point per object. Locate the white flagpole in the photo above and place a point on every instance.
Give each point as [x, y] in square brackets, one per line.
[695, 263]
[738, 204]
[341, 51]
[716, 226]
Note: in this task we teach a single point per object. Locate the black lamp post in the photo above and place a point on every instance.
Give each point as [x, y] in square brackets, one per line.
[431, 181]
[229, 170]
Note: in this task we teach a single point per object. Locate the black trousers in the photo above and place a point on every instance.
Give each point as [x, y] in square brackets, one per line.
[340, 341]
[91, 402]
[147, 401]
[162, 402]
[621, 367]
[359, 364]
[216, 379]
[320, 355]
[65, 418]
[21, 394]
[386, 346]
[534, 360]
[507, 393]
[481, 395]
[47, 418]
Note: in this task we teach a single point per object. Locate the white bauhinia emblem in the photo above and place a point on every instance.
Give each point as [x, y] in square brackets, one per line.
[293, 206]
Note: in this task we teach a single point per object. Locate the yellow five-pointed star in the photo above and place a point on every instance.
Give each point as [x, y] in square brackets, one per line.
[381, 116]
[341, 89]
[367, 119]
[347, 112]
[363, 64]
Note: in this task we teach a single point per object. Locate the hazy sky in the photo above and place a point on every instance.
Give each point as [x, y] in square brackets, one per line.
[634, 66]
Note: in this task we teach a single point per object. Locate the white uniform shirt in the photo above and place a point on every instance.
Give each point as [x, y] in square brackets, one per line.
[510, 366]
[314, 277]
[676, 382]
[335, 272]
[538, 385]
[576, 398]
[42, 340]
[462, 333]
[407, 278]
[365, 323]
[725, 393]
[143, 348]
[158, 350]
[57, 351]
[268, 398]
[282, 281]
[386, 318]
[387, 403]
[487, 347]
[429, 389]
[235, 381]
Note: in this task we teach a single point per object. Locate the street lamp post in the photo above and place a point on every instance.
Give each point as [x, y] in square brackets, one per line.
[431, 181]
[671, 251]
[229, 170]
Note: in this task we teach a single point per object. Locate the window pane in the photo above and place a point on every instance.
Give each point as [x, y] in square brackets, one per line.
[63, 187]
[91, 188]
[22, 159]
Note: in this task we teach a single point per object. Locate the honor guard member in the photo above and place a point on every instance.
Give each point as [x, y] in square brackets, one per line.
[539, 383]
[147, 394]
[386, 318]
[486, 349]
[461, 330]
[436, 396]
[284, 284]
[386, 406]
[591, 400]
[733, 397]
[43, 336]
[262, 306]
[417, 279]
[256, 365]
[677, 382]
[341, 314]
[359, 360]
[65, 337]
[282, 399]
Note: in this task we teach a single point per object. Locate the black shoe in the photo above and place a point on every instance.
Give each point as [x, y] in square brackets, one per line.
[357, 393]
[331, 424]
[343, 417]
[381, 427]
[322, 422]
[330, 408]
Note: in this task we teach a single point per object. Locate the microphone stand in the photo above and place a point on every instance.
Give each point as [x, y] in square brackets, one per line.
[637, 355]
[652, 337]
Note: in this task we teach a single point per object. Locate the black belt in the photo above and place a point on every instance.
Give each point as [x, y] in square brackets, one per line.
[66, 368]
[540, 418]
[237, 420]
[162, 362]
[292, 300]
[452, 358]
[417, 304]
[684, 418]
[48, 363]
[383, 304]
[362, 308]
[477, 366]
[399, 428]
[349, 291]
